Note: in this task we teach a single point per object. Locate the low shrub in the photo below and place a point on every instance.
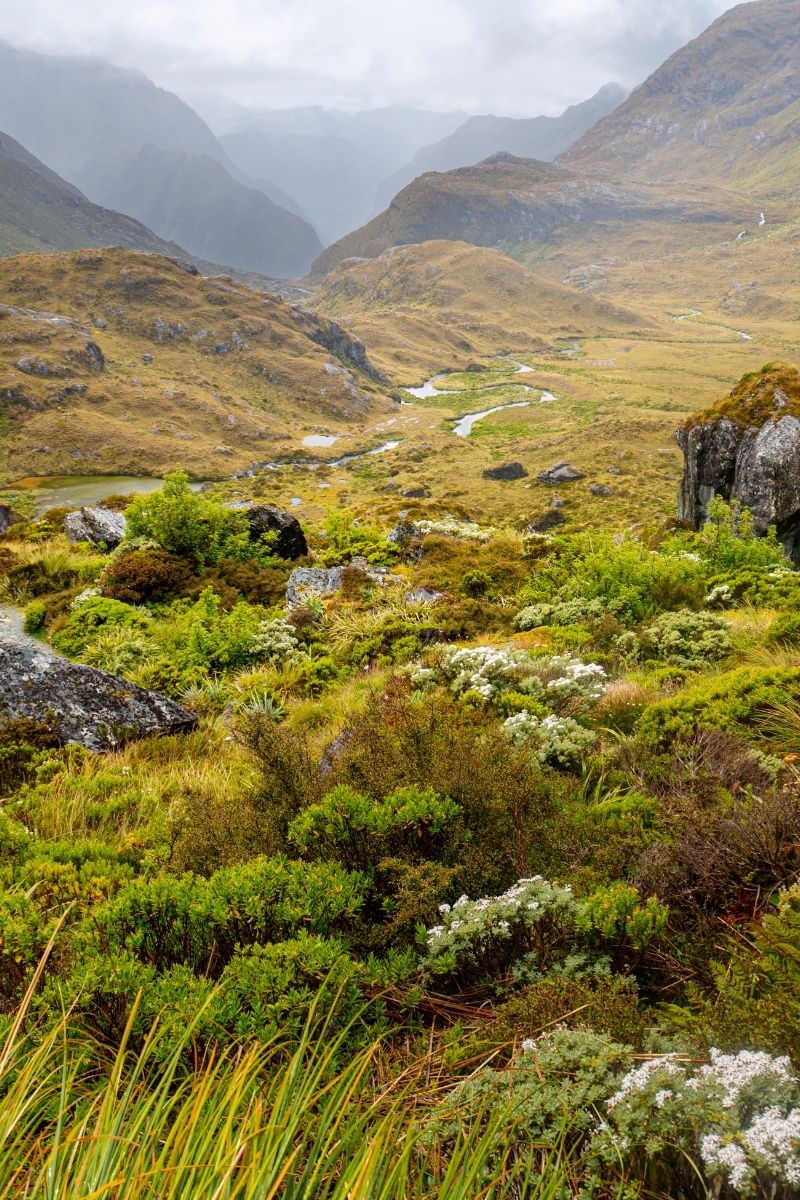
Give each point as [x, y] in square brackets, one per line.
[137, 576]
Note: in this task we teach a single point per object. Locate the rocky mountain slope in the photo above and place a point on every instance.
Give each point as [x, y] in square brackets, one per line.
[112, 361]
[132, 146]
[519, 204]
[418, 308]
[724, 107]
[709, 142]
[40, 211]
[543, 138]
[193, 199]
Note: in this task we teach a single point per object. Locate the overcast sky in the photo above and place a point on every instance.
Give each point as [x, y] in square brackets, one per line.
[516, 57]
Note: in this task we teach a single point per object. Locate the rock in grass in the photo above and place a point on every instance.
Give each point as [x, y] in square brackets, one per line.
[6, 517]
[508, 471]
[267, 518]
[560, 472]
[600, 489]
[305, 582]
[96, 525]
[90, 708]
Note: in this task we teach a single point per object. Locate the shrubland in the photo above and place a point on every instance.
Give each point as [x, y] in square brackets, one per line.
[489, 889]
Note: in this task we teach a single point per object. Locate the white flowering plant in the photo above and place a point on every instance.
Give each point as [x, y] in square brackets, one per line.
[555, 741]
[276, 642]
[467, 531]
[735, 1117]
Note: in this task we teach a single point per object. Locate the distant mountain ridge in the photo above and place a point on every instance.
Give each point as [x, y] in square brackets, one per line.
[91, 122]
[543, 138]
[41, 211]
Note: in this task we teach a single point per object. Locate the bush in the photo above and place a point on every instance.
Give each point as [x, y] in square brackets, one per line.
[35, 615]
[686, 639]
[346, 538]
[189, 524]
[97, 615]
[136, 576]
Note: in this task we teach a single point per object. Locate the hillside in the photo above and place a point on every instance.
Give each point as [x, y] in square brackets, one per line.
[40, 211]
[518, 204]
[120, 362]
[724, 107]
[421, 307]
[543, 138]
[194, 200]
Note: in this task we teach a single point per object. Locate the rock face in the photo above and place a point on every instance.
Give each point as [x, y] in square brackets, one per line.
[560, 472]
[748, 451]
[96, 525]
[91, 707]
[507, 471]
[5, 517]
[312, 581]
[266, 518]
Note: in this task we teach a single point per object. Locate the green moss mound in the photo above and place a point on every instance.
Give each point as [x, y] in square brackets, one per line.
[759, 396]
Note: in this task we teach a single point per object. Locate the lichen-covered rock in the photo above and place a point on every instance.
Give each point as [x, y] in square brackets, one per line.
[266, 518]
[747, 450]
[507, 471]
[89, 707]
[97, 525]
[312, 581]
[404, 533]
[6, 517]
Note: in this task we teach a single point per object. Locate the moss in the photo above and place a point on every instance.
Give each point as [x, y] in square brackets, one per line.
[759, 396]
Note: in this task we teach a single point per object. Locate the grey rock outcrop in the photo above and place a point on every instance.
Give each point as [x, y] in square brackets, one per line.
[266, 518]
[757, 466]
[6, 517]
[305, 582]
[507, 471]
[560, 472]
[97, 525]
[89, 707]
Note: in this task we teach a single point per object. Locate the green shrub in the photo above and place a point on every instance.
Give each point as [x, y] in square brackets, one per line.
[189, 524]
[346, 537]
[686, 639]
[93, 617]
[136, 576]
[786, 630]
[734, 699]
[35, 615]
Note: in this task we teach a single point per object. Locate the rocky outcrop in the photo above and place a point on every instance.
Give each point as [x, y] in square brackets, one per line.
[266, 518]
[6, 517]
[96, 525]
[305, 582]
[748, 450]
[88, 707]
[560, 472]
[506, 471]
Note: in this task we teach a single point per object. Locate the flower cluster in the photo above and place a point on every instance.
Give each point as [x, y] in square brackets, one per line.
[738, 1114]
[450, 527]
[275, 641]
[87, 594]
[720, 596]
[571, 679]
[564, 612]
[556, 741]
[490, 671]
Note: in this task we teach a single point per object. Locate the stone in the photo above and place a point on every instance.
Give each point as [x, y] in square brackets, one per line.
[549, 520]
[423, 595]
[508, 471]
[614, 471]
[6, 517]
[147, 358]
[560, 472]
[267, 518]
[312, 581]
[90, 708]
[758, 466]
[600, 489]
[403, 533]
[96, 525]
[415, 493]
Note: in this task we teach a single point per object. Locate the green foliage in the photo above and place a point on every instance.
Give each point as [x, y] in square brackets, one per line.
[686, 639]
[727, 541]
[140, 576]
[738, 698]
[189, 524]
[35, 615]
[97, 615]
[346, 537]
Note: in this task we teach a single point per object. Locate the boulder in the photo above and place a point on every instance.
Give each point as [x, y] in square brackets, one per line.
[97, 525]
[415, 493]
[511, 470]
[748, 450]
[312, 581]
[266, 518]
[560, 472]
[404, 533]
[549, 520]
[423, 595]
[90, 708]
[600, 489]
[6, 517]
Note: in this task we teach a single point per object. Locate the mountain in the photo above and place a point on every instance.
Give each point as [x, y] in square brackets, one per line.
[40, 211]
[725, 107]
[331, 162]
[328, 175]
[519, 204]
[439, 304]
[118, 137]
[193, 199]
[118, 362]
[543, 138]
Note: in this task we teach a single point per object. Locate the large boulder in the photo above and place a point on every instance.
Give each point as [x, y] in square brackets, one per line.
[305, 582]
[89, 707]
[747, 449]
[560, 472]
[506, 471]
[266, 518]
[6, 517]
[97, 525]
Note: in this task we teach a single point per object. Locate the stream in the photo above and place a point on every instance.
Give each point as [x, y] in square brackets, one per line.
[463, 426]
